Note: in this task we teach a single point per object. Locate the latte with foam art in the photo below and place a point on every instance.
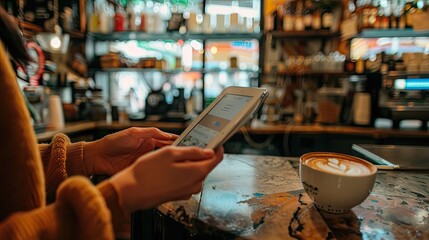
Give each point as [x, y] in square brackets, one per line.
[338, 166]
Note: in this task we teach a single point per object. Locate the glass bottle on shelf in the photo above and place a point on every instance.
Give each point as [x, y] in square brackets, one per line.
[307, 15]
[143, 18]
[369, 17]
[277, 18]
[316, 23]
[289, 18]
[364, 19]
[327, 17]
[100, 108]
[379, 14]
[384, 12]
[131, 17]
[373, 20]
[119, 19]
[385, 20]
[409, 10]
[196, 98]
[394, 16]
[299, 17]
[360, 66]
[104, 23]
[93, 18]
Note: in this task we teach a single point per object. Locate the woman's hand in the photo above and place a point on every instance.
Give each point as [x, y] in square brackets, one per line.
[117, 151]
[167, 174]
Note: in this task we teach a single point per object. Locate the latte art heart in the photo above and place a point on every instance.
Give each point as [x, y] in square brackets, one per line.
[338, 166]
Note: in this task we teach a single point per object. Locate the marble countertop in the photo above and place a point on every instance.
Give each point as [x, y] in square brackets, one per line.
[261, 197]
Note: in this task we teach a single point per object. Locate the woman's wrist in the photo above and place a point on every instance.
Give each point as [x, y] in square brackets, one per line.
[89, 157]
[75, 163]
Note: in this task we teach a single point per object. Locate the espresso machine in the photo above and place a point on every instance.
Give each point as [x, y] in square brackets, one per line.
[404, 96]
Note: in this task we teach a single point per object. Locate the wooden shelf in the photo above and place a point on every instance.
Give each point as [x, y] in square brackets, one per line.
[320, 34]
[144, 36]
[311, 73]
[407, 73]
[376, 33]
[173, 71]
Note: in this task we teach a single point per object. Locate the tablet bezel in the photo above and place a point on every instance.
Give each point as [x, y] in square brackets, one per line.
[258, 96]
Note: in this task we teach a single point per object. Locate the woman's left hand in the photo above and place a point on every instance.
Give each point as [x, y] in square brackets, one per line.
[117, 151]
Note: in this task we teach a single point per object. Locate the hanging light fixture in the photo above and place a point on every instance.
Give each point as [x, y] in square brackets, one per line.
[56, 41]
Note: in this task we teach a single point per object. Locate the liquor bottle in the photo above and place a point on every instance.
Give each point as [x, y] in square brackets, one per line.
[277, 17]
[402, 19]
[143, 18]
[360, 66]
[349, 65]
[378, 18]
[299, 17]
[131, 15]
[393, 22]
[119, 19]
[409, 10]
[93, 19]
[384, 15]
[316, 23]
[327, 17]
[104, 23]
[307, 14]
[289, 17]
[364, 18]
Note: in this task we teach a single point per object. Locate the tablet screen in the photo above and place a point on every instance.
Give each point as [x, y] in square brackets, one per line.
[215, 121]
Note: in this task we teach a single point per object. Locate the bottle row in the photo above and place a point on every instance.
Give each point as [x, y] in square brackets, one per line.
[317, 63]
[398, 14]
[383, 62]
[107, 17]
[301, 15]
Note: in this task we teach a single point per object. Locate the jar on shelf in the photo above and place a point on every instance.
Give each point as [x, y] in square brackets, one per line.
[99, 107]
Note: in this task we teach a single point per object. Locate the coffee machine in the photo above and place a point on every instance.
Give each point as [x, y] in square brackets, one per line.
[404, 96]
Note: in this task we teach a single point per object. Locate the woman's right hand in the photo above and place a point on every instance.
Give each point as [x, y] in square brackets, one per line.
[167, 174]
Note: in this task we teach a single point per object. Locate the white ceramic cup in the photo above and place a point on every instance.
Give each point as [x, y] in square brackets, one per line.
[336, 182]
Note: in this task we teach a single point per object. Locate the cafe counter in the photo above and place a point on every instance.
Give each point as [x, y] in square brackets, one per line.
[261, 197]
[260, 138]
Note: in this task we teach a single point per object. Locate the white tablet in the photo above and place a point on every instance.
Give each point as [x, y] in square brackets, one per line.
[233, 108]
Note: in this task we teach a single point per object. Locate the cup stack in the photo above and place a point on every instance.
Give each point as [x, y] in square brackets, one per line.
[362, 108]
[56, 119]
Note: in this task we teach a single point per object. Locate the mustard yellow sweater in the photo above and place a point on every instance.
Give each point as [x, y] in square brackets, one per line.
[31, 173]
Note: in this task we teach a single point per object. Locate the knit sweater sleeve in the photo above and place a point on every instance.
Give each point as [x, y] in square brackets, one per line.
[79, 212]
[61, 159]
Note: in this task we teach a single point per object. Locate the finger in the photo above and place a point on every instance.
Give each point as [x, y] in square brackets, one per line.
[195, 171]
[181, 154]
[208, 164]
[173, 136]
[200, 169]
[162, 143]
[151, 132]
